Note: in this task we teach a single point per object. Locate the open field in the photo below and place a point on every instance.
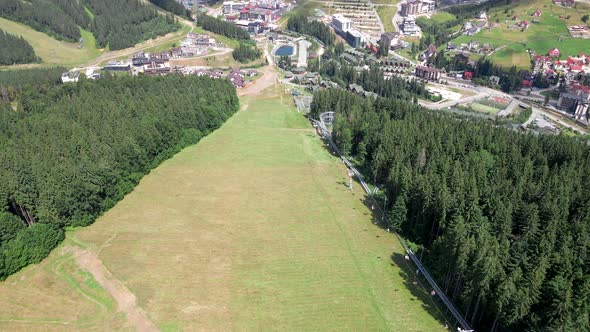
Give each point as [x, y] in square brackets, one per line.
[251, 229]
[50, 50]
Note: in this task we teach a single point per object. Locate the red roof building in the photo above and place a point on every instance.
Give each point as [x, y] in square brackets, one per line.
[467, 75]
[527, 83]
[553, 53]
[579, 87]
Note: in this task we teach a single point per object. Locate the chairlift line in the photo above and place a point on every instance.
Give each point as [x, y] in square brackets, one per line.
[328, 117]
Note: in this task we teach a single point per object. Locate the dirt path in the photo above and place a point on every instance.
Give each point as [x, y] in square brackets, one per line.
[268, 79]
[125, 299]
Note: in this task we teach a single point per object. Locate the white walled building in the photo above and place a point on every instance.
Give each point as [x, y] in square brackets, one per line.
[409, 26]
[341, 23]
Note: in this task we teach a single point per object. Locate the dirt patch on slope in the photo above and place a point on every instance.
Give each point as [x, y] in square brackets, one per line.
[125, 299]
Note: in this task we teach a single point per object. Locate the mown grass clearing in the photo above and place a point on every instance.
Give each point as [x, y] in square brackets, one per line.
[52, 51]
[56, 295]
[251, 229]
[512, 55]
[481, 108]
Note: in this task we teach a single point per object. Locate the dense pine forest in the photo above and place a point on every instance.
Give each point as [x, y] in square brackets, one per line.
[221, 27]
[41, 15]
[300, 23]
[372, 80]
[501, 219]
[246, 53]
[117, 24]
[173, 7]
[72, 152]
[124, 23]
[14, 81]
[15, 50]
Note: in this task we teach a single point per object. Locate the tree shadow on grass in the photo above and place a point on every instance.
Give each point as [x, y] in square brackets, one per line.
[419, 288]
[344, 183]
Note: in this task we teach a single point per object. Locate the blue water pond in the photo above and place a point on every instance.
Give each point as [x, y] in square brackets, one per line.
[284, 50]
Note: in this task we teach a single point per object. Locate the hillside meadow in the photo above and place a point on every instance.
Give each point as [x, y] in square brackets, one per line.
[253, 228]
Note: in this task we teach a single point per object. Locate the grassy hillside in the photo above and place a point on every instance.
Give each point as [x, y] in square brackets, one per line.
[550, 32]
[50, 50]
[251, 229]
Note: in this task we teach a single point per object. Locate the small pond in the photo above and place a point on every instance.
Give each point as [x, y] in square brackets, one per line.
[284, 50]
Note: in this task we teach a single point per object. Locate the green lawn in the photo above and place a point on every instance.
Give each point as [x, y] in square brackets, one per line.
[251, 229]
[481, 108]
[442, 17]
[386, 13]
[52, 51]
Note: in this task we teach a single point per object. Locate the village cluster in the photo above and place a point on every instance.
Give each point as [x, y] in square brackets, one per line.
[576, 97]
[352, 21]
[159, 63]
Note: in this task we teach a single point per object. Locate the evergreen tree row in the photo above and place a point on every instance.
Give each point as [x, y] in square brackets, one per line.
[299, 23]
[510, 78]
[72, 152]
[371, 80]
[14, 81]
[221, 27]
[502, 218]
[246, 53]
[15, 50]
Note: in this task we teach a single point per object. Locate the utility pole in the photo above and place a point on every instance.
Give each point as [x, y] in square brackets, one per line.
[384, 209]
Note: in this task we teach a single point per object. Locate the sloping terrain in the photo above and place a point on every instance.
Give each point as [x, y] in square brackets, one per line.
[50, 50]
[251, 229]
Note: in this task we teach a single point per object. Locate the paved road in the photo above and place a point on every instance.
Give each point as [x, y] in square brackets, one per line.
[552, 114]
[111, 55]
[511, 107]
[451, 103]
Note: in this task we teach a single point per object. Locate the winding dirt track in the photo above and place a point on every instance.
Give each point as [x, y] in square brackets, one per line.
[125, 299]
